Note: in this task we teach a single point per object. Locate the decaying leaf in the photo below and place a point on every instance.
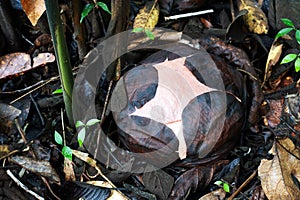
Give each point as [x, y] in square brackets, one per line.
[273, 57]
[275, 112]
[159, 183]
[18, 63]
[147, 18]
[255, 19]
[4, 149]
[276, 174]
[166, 107]
[39, 167]
[7, 115]
[68, 170]
[218, 194]
[33, 9]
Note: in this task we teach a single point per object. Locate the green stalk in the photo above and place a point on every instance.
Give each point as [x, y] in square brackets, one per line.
[62, 55]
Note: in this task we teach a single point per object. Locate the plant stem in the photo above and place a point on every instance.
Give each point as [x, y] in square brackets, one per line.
[62, 55]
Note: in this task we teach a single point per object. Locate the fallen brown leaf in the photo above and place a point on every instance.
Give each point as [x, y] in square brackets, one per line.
[33, 9]
[276, 174]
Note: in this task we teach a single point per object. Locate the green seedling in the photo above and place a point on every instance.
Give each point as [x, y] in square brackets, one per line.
[148, 33]
[225, 185]
[290, 57]
[58, 91]
[89, 7]
[66, 151]
[82, 132]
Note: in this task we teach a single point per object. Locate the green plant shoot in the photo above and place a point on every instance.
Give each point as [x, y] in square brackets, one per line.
[290, 57]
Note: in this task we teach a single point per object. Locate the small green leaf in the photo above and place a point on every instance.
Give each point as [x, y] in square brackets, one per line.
[57, 137]
[149, 34]
[67, 152]
[297, 36]
[218, 182]
[92, 122]
[103, 6]
[283, 32]
[226, 187]
[297, 65]
[288, 22]
[79, 124]
[58, 91]
[137, 30]
[86, 10]
[81, 136]
[289, 58]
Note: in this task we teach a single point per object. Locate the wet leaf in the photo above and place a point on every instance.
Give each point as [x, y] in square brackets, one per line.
[159, 183]
[33, 9]
[273, 57]
[287, 22]
[276, 174]
[255, 19]
[103, 6]
[147, 18]
[283, 32]
[39, 167]
[57, 137]
[289, 58]
[86, 10]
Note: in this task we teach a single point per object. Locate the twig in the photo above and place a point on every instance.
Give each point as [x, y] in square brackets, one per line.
[24, 187]
[189, 14]
[37, 110]
[29, 92]
[106, 100]
[243, 185]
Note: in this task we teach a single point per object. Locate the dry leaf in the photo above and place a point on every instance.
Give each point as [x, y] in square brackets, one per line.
[68, 170]
[8, 114]
[148, 16]
[17, 63]
[255, 19]
[275, 112]
[33, 9]
[276, 174]
[39, 167]
[218, 194]
[166, 107]
[273, 57]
